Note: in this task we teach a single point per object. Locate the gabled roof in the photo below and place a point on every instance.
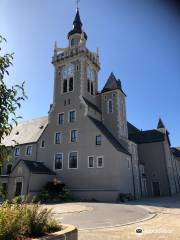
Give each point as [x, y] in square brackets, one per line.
[38, 167]
[26, 132]
[132, 128]
[112, 84]
[175, 151]
[149, 136]
[109, 136]
[92, 105]
[160, 124]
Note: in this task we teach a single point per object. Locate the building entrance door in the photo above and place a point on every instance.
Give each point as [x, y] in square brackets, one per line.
[156, 189]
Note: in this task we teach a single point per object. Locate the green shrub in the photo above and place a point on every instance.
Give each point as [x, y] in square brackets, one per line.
[25, 220]
[54, 191]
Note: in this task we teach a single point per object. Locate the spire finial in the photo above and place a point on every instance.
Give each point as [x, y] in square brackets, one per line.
[77, 2]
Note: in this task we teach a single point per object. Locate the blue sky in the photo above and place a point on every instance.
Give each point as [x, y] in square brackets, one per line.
[139, 40]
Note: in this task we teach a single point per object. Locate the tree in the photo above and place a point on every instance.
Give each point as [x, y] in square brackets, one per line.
[10, 101]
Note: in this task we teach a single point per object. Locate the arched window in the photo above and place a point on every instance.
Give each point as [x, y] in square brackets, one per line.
[71, 84]
[110, 106]
[65, 86]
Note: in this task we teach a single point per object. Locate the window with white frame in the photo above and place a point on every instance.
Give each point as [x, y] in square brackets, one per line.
[73, 160]
[29, 150]
[72, 116]
[74, 135]
[17, 151]
[109, 106]
[58, 137]
[90, 161]
[98, 140]
[100, 162]
[61, 118]
[58, 161]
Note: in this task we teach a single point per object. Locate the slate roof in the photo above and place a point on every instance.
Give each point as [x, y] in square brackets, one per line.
[112, 84]
[148, 136]
[26, 132]
[92, 105]
[38, 167]
[160, 124]
[77, 26]
[109, 136]
[132, 128]
[176, 151]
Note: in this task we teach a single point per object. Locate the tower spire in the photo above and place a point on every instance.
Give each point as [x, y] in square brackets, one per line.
[77, 24]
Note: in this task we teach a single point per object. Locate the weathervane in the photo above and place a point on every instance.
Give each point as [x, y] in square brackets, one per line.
[77, 3]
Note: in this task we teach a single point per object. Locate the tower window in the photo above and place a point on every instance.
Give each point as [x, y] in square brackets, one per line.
[74, 42]
[58, 164]
[65, 86]
[110, 106]
[73, 160]
[98, 140]
[74, 135]
[42, 144]
[71, 84]
[57, 138]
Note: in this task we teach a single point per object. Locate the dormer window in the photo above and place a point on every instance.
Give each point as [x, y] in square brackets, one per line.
[17, 152]
[29, 150]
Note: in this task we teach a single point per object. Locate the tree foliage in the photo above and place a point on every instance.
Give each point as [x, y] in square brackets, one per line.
[10, 101]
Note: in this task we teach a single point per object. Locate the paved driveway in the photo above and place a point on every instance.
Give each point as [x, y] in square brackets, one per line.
[98, 215]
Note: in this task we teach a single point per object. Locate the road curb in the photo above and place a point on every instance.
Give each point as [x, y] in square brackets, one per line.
[151, 216]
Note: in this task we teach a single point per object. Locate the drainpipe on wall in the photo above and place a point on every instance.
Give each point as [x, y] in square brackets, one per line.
[177, 174]
[167, 175]
[133, 177]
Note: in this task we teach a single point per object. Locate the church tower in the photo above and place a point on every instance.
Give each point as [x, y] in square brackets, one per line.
[76, 68]
[114, 108]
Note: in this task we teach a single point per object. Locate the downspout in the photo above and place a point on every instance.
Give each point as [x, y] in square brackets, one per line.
[177, 175]
[133, 177]
[28, 184]
[167, 175]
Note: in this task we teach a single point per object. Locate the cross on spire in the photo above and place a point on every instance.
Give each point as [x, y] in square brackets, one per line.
[77, 2]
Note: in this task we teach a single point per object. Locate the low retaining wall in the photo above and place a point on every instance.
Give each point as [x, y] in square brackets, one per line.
[69, 233]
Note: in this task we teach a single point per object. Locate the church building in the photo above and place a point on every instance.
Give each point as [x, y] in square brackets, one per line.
[86, 140]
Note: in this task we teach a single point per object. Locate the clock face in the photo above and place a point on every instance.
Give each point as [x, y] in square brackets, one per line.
[68, 71]
[90, 73]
